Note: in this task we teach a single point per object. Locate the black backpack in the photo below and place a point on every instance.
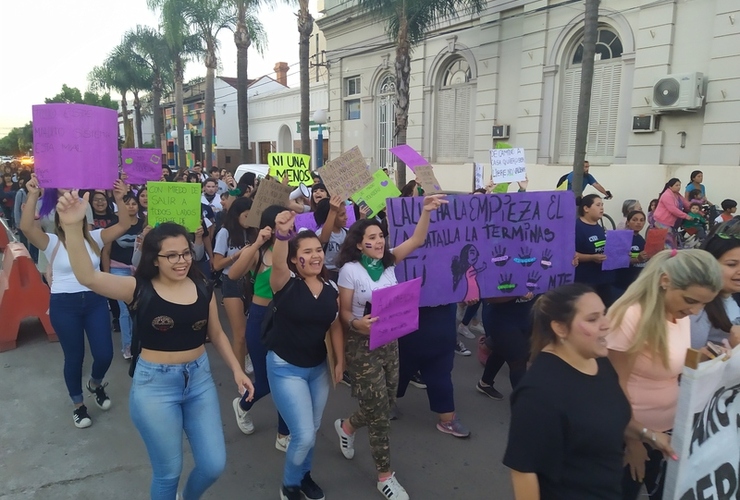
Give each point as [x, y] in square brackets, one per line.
[269, 320]
[139, 306]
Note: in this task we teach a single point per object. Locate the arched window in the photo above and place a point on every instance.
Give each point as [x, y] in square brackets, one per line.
[455, 94]
[605, 92]
[386, 99]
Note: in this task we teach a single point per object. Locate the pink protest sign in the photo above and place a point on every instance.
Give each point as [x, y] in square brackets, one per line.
[306, 222]
[142, 165]
[409, 156]
[397, 310]
[75, 146]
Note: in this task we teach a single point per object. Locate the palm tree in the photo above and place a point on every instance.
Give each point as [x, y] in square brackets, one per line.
[305, 28]
[150, 50]
[208, 18]
[407, 23]
[248, 30]
[182, 45]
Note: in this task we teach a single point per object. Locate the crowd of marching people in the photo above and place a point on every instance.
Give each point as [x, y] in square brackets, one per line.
[593, 365]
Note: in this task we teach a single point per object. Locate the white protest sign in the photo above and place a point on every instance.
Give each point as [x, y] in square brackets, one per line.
[478, 176]
[508, 165]
[705, 433]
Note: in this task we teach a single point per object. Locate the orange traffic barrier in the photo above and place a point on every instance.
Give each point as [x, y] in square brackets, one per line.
[22, 295]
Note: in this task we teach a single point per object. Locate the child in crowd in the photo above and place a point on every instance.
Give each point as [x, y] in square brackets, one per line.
[729, 207]
[696, 224]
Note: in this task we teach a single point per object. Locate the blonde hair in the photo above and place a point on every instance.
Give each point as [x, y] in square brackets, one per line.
[684, 268]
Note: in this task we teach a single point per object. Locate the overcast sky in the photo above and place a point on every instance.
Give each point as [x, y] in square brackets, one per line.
[47, 43]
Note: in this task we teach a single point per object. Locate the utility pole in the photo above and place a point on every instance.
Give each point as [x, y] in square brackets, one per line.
[590, 32]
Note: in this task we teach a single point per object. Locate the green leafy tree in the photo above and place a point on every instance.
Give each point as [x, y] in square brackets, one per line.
[407, 23]
[18, 141]
[72, 95]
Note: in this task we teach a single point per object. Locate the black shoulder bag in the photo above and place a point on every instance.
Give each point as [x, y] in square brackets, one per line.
[269, 320]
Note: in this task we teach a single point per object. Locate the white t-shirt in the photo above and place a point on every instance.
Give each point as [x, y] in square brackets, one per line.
[222, 247]
[354, 277]
[64, 280]
[332, 247]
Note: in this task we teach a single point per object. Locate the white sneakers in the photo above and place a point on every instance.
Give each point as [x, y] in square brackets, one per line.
[465, 331]
[281, 443]
[392, 489]
[243, 418]
[346, 442]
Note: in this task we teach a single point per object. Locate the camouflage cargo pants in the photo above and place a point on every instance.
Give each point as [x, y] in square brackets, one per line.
[374, 383]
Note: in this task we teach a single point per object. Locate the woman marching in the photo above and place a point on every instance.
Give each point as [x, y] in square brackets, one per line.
[367, 264]
[296, 348]
[74, 309]
[172, 389]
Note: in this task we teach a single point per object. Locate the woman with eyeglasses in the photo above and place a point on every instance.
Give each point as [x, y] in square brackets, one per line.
[172, 389]
[719, 322]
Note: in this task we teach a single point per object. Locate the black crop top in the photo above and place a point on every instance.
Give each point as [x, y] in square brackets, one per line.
[301, 322]
[164, 326]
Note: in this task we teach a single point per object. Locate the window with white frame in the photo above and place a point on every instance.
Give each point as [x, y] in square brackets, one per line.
[386, 120]
[605, 92]
[454, 100]
[352, 91]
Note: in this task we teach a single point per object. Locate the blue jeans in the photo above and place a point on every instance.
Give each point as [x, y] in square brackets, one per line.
[164, 401]
[124, 319]
[72, 315]
[300, 395]
[258, 355]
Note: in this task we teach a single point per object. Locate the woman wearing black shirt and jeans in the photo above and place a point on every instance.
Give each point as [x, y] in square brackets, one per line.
[296, 351]
[569, 415]
[172, 389]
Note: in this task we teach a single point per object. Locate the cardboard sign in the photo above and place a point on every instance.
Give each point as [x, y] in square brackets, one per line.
[177, 202]
[478, 176]
[397, 310]
[508, 165]
[705, 433]
[425, 176]
[376, 193]
[75, 146]
[270, 192]
[141, 165]
[346, 175]
[655, 241]
[488, 245]
[307, 222]
[297, 168]
[617, 249]
[409, 156]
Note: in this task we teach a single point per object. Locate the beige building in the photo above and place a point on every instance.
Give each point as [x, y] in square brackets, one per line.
[666, 93]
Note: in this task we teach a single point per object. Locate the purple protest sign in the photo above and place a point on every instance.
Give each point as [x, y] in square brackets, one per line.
[397, 310]
[306, 222]
[617, 249]
[142, 165]
[75, 146]
[409, 156]
[499, 245]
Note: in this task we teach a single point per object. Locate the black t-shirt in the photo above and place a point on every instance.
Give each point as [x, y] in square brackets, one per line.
[122, 249]
[628, 275]
[106, 220]
[301, 322]
[590, 240]
[568, 428]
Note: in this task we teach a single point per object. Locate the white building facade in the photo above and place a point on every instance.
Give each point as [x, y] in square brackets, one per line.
[517, 64]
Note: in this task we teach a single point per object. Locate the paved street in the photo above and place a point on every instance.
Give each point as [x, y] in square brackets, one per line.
[43, 456]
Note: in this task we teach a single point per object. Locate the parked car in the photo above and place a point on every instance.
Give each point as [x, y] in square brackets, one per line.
[259, 170]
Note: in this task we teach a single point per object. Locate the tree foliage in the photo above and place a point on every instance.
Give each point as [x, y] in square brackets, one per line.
[72, 95]
[18, 141]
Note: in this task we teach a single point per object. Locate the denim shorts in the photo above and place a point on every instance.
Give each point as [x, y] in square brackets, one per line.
[232, 289]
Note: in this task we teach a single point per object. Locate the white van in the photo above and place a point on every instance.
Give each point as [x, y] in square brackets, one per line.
[259, 170]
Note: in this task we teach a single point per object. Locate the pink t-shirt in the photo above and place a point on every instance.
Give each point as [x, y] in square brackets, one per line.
[653, 389]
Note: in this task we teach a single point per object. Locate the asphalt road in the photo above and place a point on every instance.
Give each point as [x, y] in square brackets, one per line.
[43, 456]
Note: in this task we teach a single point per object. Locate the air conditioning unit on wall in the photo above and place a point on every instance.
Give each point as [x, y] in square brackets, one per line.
[679, 92]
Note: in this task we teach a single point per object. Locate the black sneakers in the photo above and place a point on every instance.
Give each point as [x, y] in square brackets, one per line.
[489, 391]
[101, 398]
[310, 489]
[81, 418]
[290, 493]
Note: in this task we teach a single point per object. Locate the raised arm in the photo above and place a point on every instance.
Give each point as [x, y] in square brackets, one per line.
[336, 205]
[417, 239]
[112, 233]
[31, 230]
[247, 257]
[71, 210]
[283, 231]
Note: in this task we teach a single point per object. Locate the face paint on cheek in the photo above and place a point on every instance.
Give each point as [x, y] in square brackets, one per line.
[303, 262]
[368, 245]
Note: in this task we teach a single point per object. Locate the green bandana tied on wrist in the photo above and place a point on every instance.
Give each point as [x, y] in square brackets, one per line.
[374, 267]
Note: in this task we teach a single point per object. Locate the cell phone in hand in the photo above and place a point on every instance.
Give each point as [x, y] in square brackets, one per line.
[368, 308]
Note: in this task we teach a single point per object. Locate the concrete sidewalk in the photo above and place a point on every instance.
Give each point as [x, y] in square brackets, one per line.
[43, 456]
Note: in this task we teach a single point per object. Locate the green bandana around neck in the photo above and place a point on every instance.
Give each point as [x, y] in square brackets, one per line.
[374, 267]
